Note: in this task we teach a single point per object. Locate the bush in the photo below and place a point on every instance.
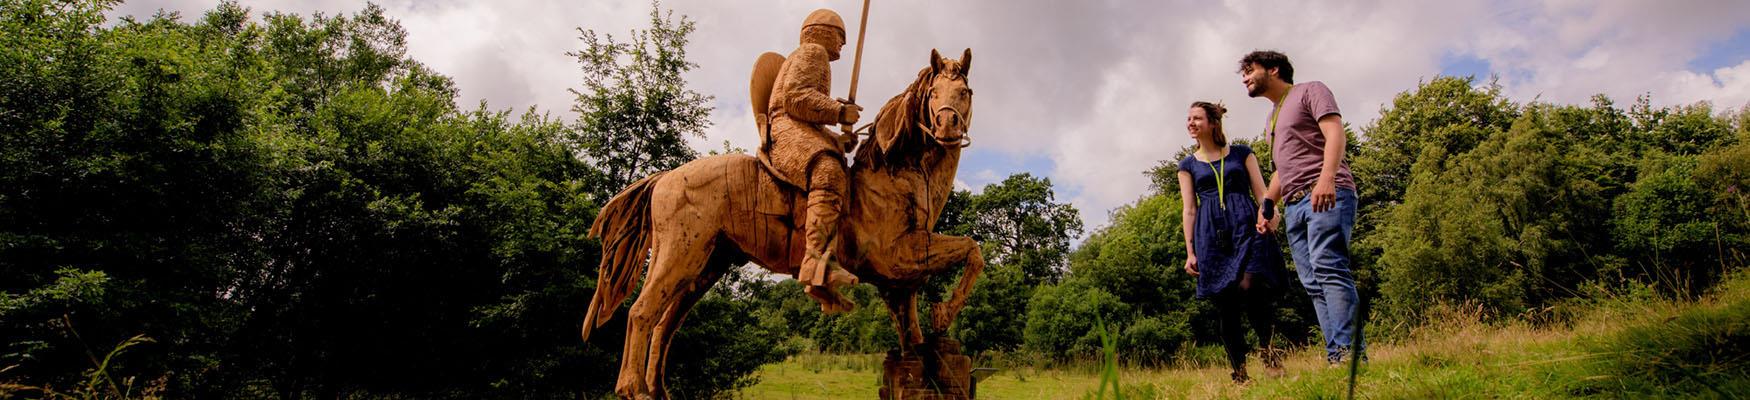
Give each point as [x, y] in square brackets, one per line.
[1507, 225]
[996, 314]
[1060, 319]
[1154, 340]
[1665, 218]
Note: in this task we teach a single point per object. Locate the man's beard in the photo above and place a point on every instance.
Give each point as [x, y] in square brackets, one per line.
[1256, 91]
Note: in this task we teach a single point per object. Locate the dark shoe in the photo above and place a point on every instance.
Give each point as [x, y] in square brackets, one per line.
[1341, 359]
[1273, 363]
[1338, 359]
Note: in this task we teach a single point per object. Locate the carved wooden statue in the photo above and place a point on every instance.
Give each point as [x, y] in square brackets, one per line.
[695, 222]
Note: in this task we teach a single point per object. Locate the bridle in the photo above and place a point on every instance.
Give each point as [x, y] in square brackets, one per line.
[928, 124]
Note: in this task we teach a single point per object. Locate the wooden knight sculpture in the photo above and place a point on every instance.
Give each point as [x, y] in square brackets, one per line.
[797, 209]
[802, 153]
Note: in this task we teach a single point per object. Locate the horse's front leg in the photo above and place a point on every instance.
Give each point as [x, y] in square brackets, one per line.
[944, 252]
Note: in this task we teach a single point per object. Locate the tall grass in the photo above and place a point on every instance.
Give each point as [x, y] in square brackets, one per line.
[1109, 370]
[1672, 348]
[100, 382]
[1614, 342]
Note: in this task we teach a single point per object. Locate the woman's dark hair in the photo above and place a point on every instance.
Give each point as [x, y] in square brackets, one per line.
[1268, 59]
[1214, 112]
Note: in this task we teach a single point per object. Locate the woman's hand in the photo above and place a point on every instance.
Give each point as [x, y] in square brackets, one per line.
[1268, 226]
[1191, 265]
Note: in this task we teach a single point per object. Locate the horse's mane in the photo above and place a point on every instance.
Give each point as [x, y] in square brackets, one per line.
[896, 136]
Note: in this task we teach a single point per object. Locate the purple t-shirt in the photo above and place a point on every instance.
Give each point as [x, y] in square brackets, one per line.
[1297, 146]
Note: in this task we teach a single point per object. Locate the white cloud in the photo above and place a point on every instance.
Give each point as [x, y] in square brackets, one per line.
[1725, 87]
[987, 175]
[1567, 51]
[961, 185]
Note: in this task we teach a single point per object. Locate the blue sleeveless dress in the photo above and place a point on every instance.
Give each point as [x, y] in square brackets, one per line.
[1224, 238]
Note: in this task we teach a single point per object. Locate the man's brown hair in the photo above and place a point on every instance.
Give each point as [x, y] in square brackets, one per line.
[1268, 59]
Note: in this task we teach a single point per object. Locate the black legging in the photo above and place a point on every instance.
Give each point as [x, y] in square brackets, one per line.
[1252, 300]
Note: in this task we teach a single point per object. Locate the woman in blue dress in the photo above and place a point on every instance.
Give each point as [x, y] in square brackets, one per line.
[1236, 267]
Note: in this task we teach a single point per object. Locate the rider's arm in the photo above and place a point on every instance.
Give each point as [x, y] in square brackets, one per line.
[810, 80]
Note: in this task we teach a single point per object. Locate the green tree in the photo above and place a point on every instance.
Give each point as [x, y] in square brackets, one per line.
[293, 208]
[1025, 237]
[1138, 257]
[1021, 226]
[635, 110]
[1725, 171]
[1665, 219]
[1060, 318]
[1499, 226]
[1451, 113]
[1688, 129]
[995, 316]
[127, 151]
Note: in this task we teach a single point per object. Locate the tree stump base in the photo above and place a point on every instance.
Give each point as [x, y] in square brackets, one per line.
[936, 372]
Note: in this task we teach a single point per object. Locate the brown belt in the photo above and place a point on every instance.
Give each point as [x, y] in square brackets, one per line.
[1293, 197]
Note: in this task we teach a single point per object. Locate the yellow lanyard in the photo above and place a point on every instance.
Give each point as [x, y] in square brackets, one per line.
[1220, 187]
[1278, 111]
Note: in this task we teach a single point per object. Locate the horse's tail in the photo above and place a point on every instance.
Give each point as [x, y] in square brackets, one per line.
[624, 228]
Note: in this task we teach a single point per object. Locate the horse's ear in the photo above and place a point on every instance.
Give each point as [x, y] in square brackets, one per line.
[966, 62]
[935, 62]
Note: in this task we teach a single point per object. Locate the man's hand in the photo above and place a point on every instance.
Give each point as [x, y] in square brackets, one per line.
[1263, 224]
[1191, 265]
[1269, 226]
[850, 113]
[1324, 195]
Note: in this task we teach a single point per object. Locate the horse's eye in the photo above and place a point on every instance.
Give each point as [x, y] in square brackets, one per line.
[968, 91]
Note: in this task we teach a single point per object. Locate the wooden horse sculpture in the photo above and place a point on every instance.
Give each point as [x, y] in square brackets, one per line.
[697, 221]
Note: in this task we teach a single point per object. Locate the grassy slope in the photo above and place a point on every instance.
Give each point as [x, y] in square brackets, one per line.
[1626, 346]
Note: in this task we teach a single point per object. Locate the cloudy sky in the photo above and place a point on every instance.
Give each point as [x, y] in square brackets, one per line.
[1092, 93]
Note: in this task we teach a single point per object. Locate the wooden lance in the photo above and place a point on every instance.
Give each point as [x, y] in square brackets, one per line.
[857, 63]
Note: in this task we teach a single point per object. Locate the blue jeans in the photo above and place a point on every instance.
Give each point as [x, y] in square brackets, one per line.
[1320, 242]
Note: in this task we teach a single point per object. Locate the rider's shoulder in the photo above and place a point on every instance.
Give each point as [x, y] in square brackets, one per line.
[810, 52]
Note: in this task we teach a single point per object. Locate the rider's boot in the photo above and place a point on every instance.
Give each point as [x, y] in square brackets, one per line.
[821, 276]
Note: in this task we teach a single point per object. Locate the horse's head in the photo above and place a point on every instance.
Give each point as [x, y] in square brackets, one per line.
[933, 113]
[949, 113]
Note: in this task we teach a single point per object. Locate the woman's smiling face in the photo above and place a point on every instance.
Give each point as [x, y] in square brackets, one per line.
[1197, 123]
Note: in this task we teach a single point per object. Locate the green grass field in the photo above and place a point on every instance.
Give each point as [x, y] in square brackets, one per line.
[1623, 346]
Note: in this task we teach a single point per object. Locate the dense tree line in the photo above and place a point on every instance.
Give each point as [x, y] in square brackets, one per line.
[288, 206]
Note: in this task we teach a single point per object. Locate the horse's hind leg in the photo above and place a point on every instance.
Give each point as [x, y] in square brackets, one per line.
[902, 307]
[674, 266]
[721, 261]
